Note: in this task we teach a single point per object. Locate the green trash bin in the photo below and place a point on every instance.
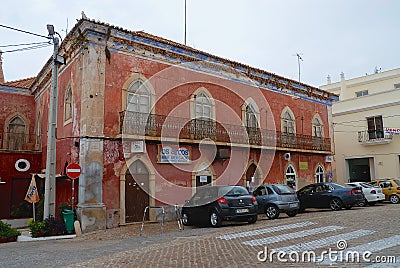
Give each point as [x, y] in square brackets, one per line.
[69, 218]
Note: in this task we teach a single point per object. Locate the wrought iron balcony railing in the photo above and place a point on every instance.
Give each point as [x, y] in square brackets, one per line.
[371, 137]
[19, 142]
[153, 125]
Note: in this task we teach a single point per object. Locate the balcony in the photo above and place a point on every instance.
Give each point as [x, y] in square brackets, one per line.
[19, 142]
[374, 137]
[177, 128]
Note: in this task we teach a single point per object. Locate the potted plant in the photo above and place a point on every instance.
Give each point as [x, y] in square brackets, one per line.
[54, 227]
[8, 234]
[36, 228]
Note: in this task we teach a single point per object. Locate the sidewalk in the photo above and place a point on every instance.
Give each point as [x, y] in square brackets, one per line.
[129, 230]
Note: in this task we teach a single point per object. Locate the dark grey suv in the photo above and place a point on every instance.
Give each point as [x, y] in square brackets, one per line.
[275, 198]
[214, 204]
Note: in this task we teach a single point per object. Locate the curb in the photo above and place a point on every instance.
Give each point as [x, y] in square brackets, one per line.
[24, 238]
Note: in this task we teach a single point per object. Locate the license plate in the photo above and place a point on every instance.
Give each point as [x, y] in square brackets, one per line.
[242, 210]
[293, 205]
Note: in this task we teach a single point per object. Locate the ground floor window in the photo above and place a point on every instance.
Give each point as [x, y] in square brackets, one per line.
[291, 177]
[320, 174]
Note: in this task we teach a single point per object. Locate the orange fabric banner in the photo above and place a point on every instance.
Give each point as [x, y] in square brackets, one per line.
[32, 196]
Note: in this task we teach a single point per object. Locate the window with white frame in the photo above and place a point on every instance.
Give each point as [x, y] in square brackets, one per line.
[251, 116]
[203, 106]
[138, 97]
[291, 177]
[288, 123]
[320, 174]
[317, 128]
[361, 93]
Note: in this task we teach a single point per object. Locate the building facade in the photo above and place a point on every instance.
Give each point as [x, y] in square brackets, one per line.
[150, 120]
[367, 126]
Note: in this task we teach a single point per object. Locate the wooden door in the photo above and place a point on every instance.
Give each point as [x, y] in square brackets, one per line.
[136, 192]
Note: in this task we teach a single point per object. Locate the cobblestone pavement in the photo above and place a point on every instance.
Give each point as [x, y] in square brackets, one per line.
[234, 245]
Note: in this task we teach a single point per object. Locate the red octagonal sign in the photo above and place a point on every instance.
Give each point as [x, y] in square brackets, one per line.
[73, 170]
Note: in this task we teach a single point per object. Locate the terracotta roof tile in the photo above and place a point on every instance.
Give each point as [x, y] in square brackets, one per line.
[22, 83]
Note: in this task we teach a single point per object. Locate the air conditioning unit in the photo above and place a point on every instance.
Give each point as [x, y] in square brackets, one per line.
[287, 156]
[223, 154]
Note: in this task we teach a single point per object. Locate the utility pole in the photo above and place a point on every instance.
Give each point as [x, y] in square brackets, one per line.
[185, 22]
[298, 61]
[50, 182]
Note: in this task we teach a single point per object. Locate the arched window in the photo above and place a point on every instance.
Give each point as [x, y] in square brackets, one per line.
[317, 127]
[291, 177]
[16, 133]
[138, 98]
[320, 174]
[288, 122]
[68, 105]
[251, 116]
[203, 106]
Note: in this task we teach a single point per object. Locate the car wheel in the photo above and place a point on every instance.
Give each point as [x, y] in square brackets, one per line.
[185, 220]
[301, 209]
[348, 207]
[335, 204]
[215, 219]
[362, 203]
[252, 220]
[272, 212]
[291, 213]
[394, 199]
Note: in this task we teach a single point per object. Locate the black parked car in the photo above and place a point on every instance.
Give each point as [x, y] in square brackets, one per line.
[329, 195]
[275, 198]
[214, 204]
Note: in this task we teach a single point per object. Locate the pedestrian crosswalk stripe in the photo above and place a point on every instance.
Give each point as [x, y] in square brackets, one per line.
[288, 236]
[373, 246]
[319, 243]
[267, 230]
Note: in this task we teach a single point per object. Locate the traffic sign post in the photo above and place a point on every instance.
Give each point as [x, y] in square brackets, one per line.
[73, 171]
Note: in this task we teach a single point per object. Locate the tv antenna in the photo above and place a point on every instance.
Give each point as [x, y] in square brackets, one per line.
[298, 55]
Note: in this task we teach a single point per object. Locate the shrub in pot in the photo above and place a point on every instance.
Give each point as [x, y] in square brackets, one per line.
[36, 228]
[8, 234]
[54, 227]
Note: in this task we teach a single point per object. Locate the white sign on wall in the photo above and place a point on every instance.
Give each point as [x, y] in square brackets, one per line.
[391, 131]
[174, 154]
[137, 147]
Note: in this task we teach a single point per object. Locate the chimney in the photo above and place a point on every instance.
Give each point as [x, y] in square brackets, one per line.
[328, 80]
[343, 87]
[1, 67]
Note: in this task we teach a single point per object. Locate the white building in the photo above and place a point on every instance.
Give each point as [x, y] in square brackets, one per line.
[366, 122]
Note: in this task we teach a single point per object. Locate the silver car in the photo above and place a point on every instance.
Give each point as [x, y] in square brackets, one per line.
[372, 194]
[275, 198]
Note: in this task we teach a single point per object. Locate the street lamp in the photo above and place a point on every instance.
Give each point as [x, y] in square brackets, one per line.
[50, 182]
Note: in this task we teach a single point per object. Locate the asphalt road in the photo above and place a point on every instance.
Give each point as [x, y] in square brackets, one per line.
[373, 231]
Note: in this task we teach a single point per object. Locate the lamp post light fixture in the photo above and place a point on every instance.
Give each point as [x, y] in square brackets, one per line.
[50, 182]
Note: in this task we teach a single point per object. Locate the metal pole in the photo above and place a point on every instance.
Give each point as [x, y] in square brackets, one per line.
[185, 22]
[73, 193]
[50, 182]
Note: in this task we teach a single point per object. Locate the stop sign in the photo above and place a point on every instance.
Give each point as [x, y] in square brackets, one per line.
[73, 170]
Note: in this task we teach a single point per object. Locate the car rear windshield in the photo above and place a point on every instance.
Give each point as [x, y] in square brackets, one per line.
[366, 185]
[237, 191]
[397, 182]
[282, 189]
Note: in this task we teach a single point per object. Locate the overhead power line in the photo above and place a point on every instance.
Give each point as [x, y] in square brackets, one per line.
[22, 31]
[28, 48]
[26, 44]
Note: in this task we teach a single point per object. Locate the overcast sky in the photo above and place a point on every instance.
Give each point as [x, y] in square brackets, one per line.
[353, 36]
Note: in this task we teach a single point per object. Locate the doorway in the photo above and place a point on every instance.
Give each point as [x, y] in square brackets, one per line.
[359, 169]
[136, 192]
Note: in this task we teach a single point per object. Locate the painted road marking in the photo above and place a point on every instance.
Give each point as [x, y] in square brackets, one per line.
[265, 231]
[288, 236]
[373, 246]
[323, 242]
[72, 170]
